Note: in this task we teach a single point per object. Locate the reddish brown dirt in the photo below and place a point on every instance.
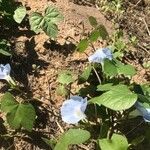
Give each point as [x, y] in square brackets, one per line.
[52, 57]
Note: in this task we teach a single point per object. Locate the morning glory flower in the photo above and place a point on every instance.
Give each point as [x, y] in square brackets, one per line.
[5, 73]
[145, 112]
[72, 110]
[100, 55]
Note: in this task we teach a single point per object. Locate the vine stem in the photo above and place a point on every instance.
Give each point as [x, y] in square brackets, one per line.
[98, 77]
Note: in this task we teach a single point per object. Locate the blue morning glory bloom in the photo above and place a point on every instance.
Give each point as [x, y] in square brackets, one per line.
[5, 74]
[145, 112]
[5, 71]
[100, 55]
[72, 110]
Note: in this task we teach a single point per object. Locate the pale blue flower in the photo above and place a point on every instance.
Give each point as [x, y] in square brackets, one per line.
[5, 71]
[100, 55]
[72, 110]
[145, 112]
[5, 74]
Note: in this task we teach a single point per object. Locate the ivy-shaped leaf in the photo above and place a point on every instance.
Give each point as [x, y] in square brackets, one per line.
[18, 115]
[47, 22]
[53, 15]
[118, 98]
[19, 14]
[36, 21]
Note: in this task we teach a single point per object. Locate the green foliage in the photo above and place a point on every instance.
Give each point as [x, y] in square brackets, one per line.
[105, 87]
[119, 45]
[47, 22]
[117, 142]
[93, 21]
[95, 34]
[7, 8]
[65, 77]
[19, 14]
[82, 46]
[126, 70]
[85, 75]
[103, 32]
[146, 65]
[61, 90]
[72, 136]
[110, 68]
[5, 48]
[99, 31]
[50, 142]
[119, 97]
[18, 114]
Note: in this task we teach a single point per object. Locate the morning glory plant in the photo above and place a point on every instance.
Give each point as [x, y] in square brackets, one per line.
[5, 73]
[145, 112]
[72, 110]
[100, 55]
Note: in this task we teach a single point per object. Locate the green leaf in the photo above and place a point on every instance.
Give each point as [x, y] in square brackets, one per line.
[118, 98]
[120, 45]
[36, 20]
[72, 136]
[53, 15]
[50, 29]
[94, 36]
[146, 89]
[18, 115]
[5, 47]
[93, 21]
[65, 77]
[19, 14]
[118, 54]
[117, 142]
[126, 70]
[103, 32]
[8, 103]
[48, 22]
[51, 142]
[104, 87]
[61, 90]
[110, 68]
[138, 140]
[82, 46]
[85, 75]
[146, 65]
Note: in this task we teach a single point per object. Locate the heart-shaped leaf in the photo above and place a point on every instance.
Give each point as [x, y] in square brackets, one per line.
[19, 14]
[47, 22]
[118, 98]
[18, 114]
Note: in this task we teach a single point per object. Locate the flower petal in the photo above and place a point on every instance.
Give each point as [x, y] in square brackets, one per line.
[4, 71]
[72, 110]
[100, 55]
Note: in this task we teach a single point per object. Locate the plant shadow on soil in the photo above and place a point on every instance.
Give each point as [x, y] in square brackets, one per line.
[65, 49]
